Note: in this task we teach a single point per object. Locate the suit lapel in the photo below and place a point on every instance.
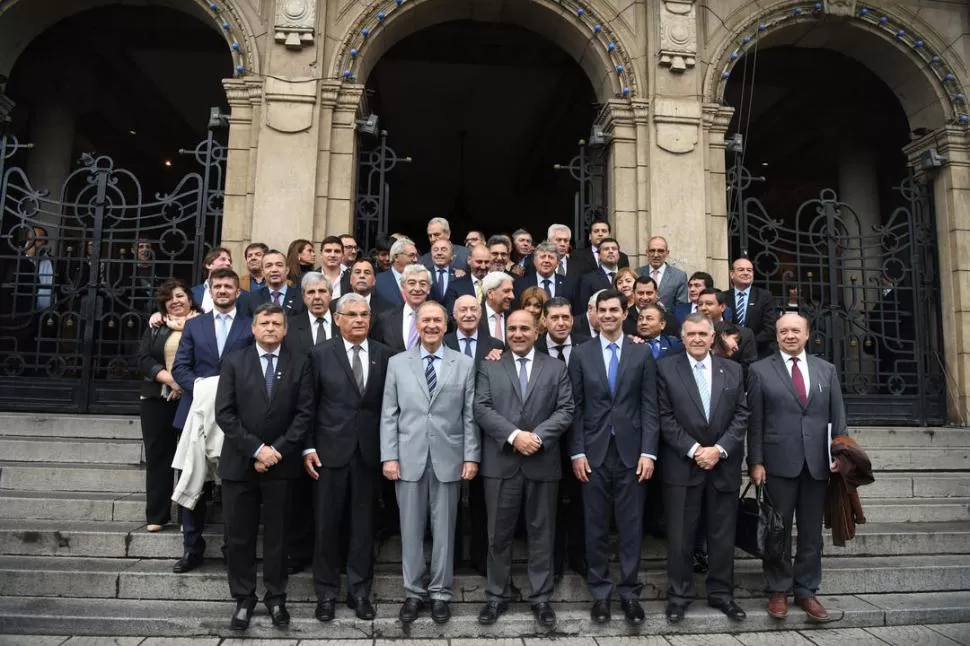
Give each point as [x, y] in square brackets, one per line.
[234, 330]
[344, 363]
[717, 383]
[785, 378]
[397, 335]
[686, 371]
[444, 373]
[209, 332]
[537, 368]
[259, 376]
[813, 378]
[283, 364]
[417, 366]
[508, 362]
[625, 360]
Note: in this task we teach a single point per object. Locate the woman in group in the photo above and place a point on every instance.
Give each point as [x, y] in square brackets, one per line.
[160, 398]
[532, 300]
[624, 282]
[301, 257]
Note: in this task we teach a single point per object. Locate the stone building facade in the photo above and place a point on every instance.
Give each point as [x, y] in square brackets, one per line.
[659, 69]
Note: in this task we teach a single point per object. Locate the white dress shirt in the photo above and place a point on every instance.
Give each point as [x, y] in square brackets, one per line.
[802, 368]
[567, 344]
[552, 283]
[461, 342]
[709, 375]
[364, 363]
[231, 314]
[530, 361]
[327, 327]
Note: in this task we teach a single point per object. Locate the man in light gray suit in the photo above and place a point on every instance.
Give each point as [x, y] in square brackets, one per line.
[793, 398]
[671, 282]
[523, 404]
[429, 444]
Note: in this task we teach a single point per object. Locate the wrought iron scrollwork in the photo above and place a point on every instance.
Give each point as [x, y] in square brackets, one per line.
[373, 201]
[589, 203]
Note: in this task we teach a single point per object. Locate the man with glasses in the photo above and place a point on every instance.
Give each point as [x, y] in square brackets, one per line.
[671, 282]
[388, 286]
[473, 238]
[438, 228]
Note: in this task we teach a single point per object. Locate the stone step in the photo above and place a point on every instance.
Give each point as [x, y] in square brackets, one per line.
[154, 579]
[69, 505]
[872, 437]
[129, 539]
[34, 476]
[919, 458]
[70, 426]
[48, 615]
[924, 510]
[915, 484]
[52, 450]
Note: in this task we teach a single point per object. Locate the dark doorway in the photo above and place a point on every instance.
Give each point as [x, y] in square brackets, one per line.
[485, 110]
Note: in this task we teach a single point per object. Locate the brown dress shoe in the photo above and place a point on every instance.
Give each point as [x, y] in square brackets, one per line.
[778, 605]
[814, 610]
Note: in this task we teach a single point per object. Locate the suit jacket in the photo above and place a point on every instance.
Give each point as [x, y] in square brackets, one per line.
[299, 336]
[672, 289]
[346, 419]
[581, 326]
[198, 354]
[249, 417]
[151, 359]
[459, 258]
[435, 295]
[783, 435]
[761, 315]
[669, 345]
[387, 287]
[632, 412]
[459, 287]
[575, 339]
[245, 283]
[485, 326]
[387, 329]
[242, 301]
[683, 423]
[589, 284]
[584, 261]
[565, 287]
[500, 409]
[292, 302]
[485, 344]
[417, 426]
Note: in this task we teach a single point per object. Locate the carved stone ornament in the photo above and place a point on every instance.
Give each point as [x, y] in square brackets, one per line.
[295, 22]
[678, 35]
[289, 104]
[840, 7]
[677, 123]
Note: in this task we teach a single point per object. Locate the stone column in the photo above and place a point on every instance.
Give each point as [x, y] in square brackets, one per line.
[950, 187]
[245, 100]
[52, 131]
[329, 91]
[343, 160]
[621, 171]
[717, 118]
[859, 188]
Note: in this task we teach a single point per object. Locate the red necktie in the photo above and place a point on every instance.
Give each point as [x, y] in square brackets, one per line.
[798, 381]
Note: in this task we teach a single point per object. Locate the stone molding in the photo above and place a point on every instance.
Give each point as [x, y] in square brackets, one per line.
[844, 8]
[295, 23]
[289, 104]
[678, 35]
[677, 122]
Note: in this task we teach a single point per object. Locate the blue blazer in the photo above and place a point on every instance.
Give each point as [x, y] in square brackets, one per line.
[441, 297]
[388, 288]
[198, 354]
[565, 288]
[243, 303]
[668, 345]
[456, 289]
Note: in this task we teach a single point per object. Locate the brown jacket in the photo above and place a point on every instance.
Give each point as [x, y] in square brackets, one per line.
[843, 509]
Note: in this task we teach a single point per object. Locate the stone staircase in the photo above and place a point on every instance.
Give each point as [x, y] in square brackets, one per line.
[75, 557]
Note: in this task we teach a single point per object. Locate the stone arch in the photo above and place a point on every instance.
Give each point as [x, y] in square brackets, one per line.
[583, 29]
[21, 21]
[907, 54]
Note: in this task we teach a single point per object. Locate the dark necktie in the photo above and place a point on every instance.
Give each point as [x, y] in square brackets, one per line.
[321, 332]
[612, 275]
[276, 298]
[561, 352]
[441, 282]
[358, 368]
[430, 374]
[798, 381]
[523, 376]
[546, 286]
[268, 376]
[468, 346]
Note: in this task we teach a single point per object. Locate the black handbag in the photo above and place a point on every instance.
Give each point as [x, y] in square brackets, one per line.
[760, 529]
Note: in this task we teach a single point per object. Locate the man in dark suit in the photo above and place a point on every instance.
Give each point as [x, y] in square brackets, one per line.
[712, 304]
[218, 258]
[587, 259]
[601, 276]
[388, 283]
[499, 295]
[703, 418]
[613, 443]
[697, 283]
[277, 289]
[523, 404]
[205, 340]
[343, 455]
[561, 237]
[671, 282]
[644, 294]
[479, 260]
[396, 327]
[794, 398]
[361, 277]
[753, 307]
[545, 260]
[443, 272]
[587, 322]
[439, 229]
[558, 342]
[264, 405]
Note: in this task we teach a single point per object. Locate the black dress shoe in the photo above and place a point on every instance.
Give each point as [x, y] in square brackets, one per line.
[279, 614]
[544, 614]
[295, 566]
[326, 610]
[410, 609]
[675, 612]
[731, 609]
[633, 611]
[492, 610]
[187, 563]
[600, 612]
[440, 611]
[240, 618]
[362, 607]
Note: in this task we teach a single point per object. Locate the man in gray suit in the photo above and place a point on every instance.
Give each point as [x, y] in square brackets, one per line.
[429, 444]
[793, 399]
[671, 282]
[523, 404]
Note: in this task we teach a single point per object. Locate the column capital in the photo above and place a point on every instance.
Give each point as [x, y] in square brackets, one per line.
[329, 93]
[946, 146]
[243, 92]
[717, 117]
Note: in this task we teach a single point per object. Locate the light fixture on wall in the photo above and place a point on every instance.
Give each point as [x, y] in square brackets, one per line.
[217, 119]
[598, 137]
[932, 159]
[369, 125]
[735, 143]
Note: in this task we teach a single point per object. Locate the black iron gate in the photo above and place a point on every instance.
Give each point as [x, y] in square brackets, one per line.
[587, 168]
[79, 268]
[870, 291]
[373, 198]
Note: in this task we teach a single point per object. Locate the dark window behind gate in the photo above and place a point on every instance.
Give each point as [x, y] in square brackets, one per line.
[79, 265]
[869, 290]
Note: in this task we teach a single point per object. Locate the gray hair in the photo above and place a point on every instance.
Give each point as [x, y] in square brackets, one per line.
[398, 247]
[350, 298]
[441, 221]
[520, 232]
[697, 317]
[411, 270]
[312, 278]
[592, 299]
[558, 227]
[494, 279]
[462, 299]
[546, 247]
[451, 245]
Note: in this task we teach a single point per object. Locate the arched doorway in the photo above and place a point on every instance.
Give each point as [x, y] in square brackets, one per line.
[485, 111]
[111, 176]
[823, 200]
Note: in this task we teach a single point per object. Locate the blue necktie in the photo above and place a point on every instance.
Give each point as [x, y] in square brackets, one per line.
[523, 376]
[655, 348]
[614, 366]
[741, 304]
[704, 388]
[221, 332]
[468, 346]
[269, 375]
[430, 374]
